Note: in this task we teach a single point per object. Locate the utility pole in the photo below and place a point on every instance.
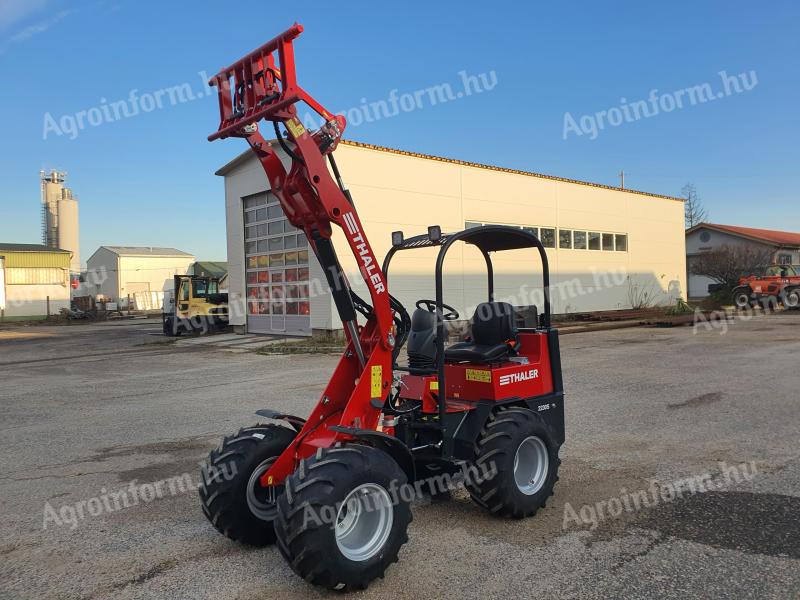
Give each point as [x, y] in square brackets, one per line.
[622, 179]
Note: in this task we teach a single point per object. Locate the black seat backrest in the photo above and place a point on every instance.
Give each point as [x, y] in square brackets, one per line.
[527, 317]
[493, 323]
[421, 345]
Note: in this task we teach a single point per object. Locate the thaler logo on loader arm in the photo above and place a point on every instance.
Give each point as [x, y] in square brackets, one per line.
[367, 260]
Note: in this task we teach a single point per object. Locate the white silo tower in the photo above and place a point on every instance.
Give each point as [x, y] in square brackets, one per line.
[60, 217]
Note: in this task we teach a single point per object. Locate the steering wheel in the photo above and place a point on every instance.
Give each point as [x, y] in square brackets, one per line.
[430, 306]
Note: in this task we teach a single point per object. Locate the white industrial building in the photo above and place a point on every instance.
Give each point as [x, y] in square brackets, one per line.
[134, 276]
[609, 248]
[782, 247]
[34, 281]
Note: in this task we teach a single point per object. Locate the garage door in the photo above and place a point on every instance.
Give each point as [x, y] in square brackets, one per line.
[277, 273]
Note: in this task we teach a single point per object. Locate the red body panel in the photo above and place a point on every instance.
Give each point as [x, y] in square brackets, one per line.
[769, 285]
[468, 383]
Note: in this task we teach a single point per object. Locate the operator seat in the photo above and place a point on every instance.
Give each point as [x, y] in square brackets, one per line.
[421, 345]
[494, 335]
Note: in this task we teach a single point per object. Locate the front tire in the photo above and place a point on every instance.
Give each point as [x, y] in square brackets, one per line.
[517, 459]
[170, 327]
[230, 496]
[342, 519]
[743, 298]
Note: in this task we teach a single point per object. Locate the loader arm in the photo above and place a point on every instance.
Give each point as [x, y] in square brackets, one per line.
[262, 86]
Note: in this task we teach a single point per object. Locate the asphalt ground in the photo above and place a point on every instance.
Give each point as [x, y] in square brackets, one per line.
[88, 409]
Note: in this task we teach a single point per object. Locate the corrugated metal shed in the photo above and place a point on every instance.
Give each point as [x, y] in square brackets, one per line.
[34, 256]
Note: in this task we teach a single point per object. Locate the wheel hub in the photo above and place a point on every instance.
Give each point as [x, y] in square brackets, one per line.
[364, 522]
[742, 300]
[531, 465]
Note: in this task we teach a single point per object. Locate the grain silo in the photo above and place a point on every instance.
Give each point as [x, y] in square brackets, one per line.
[60, 217]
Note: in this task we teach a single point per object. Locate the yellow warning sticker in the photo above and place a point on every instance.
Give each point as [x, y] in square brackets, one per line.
[296, 127]
[377, 381]
[434, 386]
[479, 375]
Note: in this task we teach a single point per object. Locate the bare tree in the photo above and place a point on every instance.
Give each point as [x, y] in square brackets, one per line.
[694, 211]
[727, 264]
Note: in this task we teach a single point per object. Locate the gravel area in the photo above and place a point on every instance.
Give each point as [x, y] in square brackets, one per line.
[88, 409]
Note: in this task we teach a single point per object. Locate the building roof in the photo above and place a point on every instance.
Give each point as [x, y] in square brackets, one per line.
[144, 251]
[247, 154]
[770, 236]
[208, 268]
[30, 248]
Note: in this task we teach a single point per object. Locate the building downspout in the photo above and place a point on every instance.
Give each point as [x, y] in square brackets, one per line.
[118, 299]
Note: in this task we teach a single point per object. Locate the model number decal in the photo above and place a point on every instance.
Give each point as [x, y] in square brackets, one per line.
[517, 377]
[478, 375]
[543, 407]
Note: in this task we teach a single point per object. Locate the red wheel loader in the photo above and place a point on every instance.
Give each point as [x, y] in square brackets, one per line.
[334, 490]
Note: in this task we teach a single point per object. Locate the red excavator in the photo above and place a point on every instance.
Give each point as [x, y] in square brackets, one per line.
[334, 489]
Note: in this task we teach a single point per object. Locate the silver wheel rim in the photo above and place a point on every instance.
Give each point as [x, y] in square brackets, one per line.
[261, 505]
[531, 465]
[742, 300]
[364, 522]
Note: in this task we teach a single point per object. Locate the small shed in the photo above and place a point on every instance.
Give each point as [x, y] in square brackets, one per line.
[34, 281]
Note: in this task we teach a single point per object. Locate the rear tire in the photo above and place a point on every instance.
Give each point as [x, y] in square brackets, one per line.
[517, 459]
[342, 519]
[230, 496]
[791, 297]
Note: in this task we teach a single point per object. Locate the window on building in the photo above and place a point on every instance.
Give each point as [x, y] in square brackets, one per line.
[621, 242]
[579, 240]
[608, 241]
[594, 240]
[255, 200]
[565, 238]
[36, 276]
[548, 237]
[471, 224]
[532, 230]
[784, 259]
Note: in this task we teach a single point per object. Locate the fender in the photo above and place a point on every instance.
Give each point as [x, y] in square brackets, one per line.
[382, 441]
[296, 422]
